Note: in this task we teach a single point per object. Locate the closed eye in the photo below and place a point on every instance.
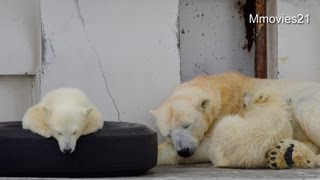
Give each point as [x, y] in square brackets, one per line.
[74, 133]
[186, 126]
[169, 134]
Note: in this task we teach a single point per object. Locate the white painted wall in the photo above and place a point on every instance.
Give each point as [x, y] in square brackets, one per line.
[212, 36]
[272, 42]
[18, 35]
[298, 45]
[18, 55]
[16, 95]
[122, 53]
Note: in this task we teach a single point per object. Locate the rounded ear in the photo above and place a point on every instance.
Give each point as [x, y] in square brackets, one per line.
[94, 120]
[86, 111]
[261, 98]
[203, 104]
[153, 112]
[46, 111]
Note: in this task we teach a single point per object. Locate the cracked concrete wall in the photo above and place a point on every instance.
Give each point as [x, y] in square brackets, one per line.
[213, 38]
[123, 54]
[298, 52]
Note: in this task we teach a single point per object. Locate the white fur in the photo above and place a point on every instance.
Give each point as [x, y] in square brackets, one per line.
[65, 114]
[224, 94]
[243, 141]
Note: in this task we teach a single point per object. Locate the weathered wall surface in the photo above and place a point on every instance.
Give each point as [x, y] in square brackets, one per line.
[123, 54]
[213, 38]
[298, 44]
[18, 57]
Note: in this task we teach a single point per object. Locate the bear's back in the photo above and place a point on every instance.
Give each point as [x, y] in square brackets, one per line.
[65, 96]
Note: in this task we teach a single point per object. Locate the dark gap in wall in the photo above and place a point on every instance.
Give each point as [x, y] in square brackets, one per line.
[249, 8]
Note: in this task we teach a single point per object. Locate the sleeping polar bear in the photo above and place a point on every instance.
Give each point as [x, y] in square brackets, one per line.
[66, 114]
[188, 117]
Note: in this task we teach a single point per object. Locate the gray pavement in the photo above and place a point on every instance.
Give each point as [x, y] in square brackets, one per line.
[205, 171]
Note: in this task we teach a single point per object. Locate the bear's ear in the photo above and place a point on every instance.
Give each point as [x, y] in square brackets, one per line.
[153, 112]
[93, 119]
[261, 98]
[86, 111]
[46, 111]
[203, 104]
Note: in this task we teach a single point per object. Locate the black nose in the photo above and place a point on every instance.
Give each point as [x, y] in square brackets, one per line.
[68, 151]
[185, 152]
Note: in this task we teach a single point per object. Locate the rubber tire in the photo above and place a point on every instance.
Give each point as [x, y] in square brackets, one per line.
[119, 149]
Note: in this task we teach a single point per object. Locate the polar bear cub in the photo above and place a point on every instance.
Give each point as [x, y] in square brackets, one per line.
[243, 141]
[65, 114]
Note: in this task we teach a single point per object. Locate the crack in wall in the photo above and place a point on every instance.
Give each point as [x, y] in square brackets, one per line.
[98, 58]
[179, 41]
[52, 50]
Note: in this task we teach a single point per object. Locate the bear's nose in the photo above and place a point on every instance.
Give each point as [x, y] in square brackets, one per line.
[185, 152]
[68, 151]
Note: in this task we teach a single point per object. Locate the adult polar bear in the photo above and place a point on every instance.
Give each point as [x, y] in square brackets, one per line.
[188, 117]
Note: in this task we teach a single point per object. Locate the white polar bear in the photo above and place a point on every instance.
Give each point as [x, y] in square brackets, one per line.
[243, 141]
[65, 114]
[189, 116]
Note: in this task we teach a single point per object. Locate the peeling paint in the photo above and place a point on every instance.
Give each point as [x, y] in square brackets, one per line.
[98, 58]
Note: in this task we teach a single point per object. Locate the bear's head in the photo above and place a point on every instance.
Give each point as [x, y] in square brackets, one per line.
[67, 124]
[185, 118]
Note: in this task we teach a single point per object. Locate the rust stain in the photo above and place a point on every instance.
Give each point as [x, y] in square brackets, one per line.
[261, 41]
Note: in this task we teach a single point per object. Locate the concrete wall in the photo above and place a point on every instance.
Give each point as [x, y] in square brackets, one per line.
[298, 45]
[18, 57]
[18, 34]
[123, 54]
[213, 40]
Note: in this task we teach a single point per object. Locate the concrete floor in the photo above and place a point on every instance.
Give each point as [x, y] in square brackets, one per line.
[205, 171]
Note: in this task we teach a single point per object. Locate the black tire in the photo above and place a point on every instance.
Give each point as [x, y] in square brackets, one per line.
[119, 149]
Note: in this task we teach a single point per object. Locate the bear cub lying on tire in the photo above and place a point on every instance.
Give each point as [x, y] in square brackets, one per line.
[66, 114]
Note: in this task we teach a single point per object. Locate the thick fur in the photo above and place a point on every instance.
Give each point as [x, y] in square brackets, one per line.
[243, 141]
[65, 114]
[188, 117]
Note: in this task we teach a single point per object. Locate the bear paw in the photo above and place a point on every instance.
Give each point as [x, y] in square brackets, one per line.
[44, 133]
[290, 154]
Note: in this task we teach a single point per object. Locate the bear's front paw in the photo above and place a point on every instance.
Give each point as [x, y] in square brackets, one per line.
[290, 154]
[44, 133]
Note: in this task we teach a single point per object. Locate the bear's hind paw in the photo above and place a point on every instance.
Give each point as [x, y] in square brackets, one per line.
[290, 154]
